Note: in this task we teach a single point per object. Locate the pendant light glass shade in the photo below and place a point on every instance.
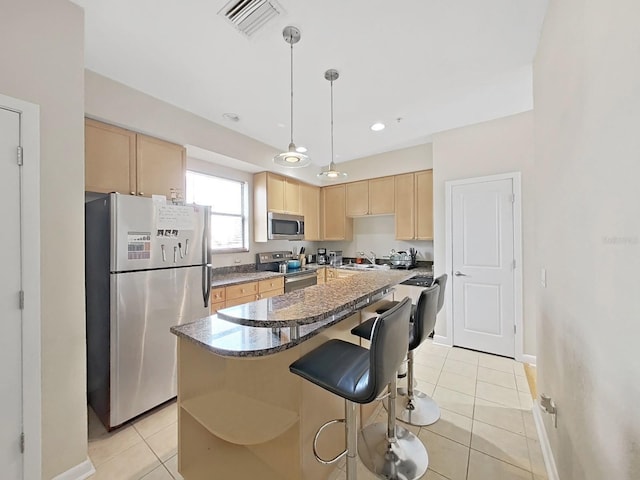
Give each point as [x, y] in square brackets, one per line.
[333, 173]
[291, 158]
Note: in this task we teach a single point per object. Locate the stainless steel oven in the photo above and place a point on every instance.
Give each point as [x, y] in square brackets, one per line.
[295, 280]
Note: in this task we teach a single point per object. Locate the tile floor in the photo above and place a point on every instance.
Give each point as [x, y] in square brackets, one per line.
[486, 431]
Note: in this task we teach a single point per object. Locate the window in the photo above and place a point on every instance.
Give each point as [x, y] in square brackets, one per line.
[228, 202]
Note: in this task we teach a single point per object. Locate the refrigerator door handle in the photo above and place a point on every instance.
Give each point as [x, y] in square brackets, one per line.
[206, 257]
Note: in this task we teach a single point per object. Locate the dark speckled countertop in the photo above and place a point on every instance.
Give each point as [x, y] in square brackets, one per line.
[274, 324]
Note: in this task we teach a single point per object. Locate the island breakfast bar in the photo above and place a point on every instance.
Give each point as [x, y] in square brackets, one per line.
[241, 413]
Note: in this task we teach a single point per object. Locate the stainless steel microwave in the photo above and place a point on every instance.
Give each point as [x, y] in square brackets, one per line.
[283, 226]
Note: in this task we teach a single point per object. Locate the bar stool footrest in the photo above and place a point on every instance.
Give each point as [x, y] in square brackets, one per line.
[315, 443]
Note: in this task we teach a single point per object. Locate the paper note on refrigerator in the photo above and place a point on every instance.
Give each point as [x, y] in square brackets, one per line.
[175, 217]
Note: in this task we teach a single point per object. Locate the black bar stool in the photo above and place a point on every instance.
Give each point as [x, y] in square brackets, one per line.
[358, 375]
[413, 406]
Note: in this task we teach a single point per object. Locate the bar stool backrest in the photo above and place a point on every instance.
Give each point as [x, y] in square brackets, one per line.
[442, 281]
[424, 318]
[389, 345]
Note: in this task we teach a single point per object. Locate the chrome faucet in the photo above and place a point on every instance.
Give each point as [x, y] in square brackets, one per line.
[371, 258]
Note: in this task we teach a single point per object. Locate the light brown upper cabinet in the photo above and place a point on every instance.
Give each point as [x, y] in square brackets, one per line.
[414, 206]
[370, 197]
[283, 194]
[310, 209]
[424, 205]
[335, 224]
[119, 160]
[273, 193]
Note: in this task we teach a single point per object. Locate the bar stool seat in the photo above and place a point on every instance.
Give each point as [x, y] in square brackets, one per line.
[358, 374]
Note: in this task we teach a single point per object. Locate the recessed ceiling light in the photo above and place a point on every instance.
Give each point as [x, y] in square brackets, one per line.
[234, 117]
[376, 127]
[301, 149]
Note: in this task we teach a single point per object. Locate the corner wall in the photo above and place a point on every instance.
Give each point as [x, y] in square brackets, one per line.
[43, 59]
[587, 114]
[489, 148]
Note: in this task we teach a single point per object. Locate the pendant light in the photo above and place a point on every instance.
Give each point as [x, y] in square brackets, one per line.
[291, 158]
[333, 173]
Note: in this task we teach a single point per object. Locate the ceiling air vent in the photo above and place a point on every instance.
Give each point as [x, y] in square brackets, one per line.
[248, 16]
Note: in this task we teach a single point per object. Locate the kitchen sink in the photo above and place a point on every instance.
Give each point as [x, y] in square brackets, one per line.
[364, 266]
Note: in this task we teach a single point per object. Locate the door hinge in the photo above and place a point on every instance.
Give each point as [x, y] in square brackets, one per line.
[22, 443]
[513, 264]
[512, 198]
[514, 329]
[19, 156]
[21, 299]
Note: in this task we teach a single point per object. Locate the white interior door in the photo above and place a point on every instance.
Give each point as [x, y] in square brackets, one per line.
[483, 264]
[10, 286]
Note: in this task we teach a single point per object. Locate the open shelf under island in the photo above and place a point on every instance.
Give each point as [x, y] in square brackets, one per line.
[241, 413]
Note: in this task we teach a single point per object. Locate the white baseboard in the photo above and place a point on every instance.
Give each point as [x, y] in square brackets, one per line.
[79, 472]
[547, 454]
[530, 359]
[441, 340]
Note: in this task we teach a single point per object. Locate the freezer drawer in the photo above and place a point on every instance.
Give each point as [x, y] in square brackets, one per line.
[144, 305]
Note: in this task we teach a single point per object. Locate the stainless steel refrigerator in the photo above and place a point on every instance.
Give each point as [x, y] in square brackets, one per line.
[148, 267]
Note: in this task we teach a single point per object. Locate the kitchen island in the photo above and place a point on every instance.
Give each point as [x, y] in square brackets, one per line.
[241, 413]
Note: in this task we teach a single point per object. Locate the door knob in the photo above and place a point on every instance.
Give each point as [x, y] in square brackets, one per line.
[460, 274]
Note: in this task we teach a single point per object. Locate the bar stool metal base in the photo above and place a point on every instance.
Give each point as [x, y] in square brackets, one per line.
[420, 411]
[405, 458]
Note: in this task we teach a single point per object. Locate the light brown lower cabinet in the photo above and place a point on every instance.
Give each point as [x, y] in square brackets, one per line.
[224, 297]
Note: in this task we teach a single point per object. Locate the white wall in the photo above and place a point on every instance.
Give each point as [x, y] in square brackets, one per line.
[587, 114]
[42, 57]
[489, 148]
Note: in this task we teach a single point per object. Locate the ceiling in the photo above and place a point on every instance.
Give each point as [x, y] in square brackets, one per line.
[419, 66]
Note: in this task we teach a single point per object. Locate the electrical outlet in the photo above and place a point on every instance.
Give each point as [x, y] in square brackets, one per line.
[236, 260]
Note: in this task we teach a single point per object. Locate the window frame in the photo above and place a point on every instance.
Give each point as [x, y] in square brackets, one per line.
[244, 215]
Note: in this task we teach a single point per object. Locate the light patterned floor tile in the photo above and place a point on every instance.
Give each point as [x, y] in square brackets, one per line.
[463, 355]
[518, 369]
[503, 379]
[157, 420]
[499, 415]
[165, 442]
[432, 349]
[496, 363]
[455, 401]
[507, 446]
[452, 425]
[160, 473]
[485, 467]
[526, 402]
[446, 457]
[427, 374]
[172, 466]
[432, 361]
[529, 424]
[456, 382]
[108, 445]
[497, 394]
[431, 475]
[132, 464]
[461, 368]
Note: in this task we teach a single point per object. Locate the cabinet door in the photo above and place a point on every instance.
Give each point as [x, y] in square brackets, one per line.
[275, 193]
[241, 291]
[291, 196]
[240, 300]
[271, 285]
[161, 167]
[357, 194]
[405, 206]
[424, 205]
[310, 209]
[110, 158]
[381, 196]
[334, 214]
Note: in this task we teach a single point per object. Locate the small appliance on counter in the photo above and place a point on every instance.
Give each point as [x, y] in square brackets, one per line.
[335, 258]
[403, 260]
[295, 278]
[321, 259]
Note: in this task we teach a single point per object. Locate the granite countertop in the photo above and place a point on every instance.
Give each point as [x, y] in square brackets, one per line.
[312, 304]
[226, 279]
[274, 324]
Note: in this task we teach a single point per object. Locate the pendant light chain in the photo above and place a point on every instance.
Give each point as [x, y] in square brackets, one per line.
[291, 92]
[331, 167]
